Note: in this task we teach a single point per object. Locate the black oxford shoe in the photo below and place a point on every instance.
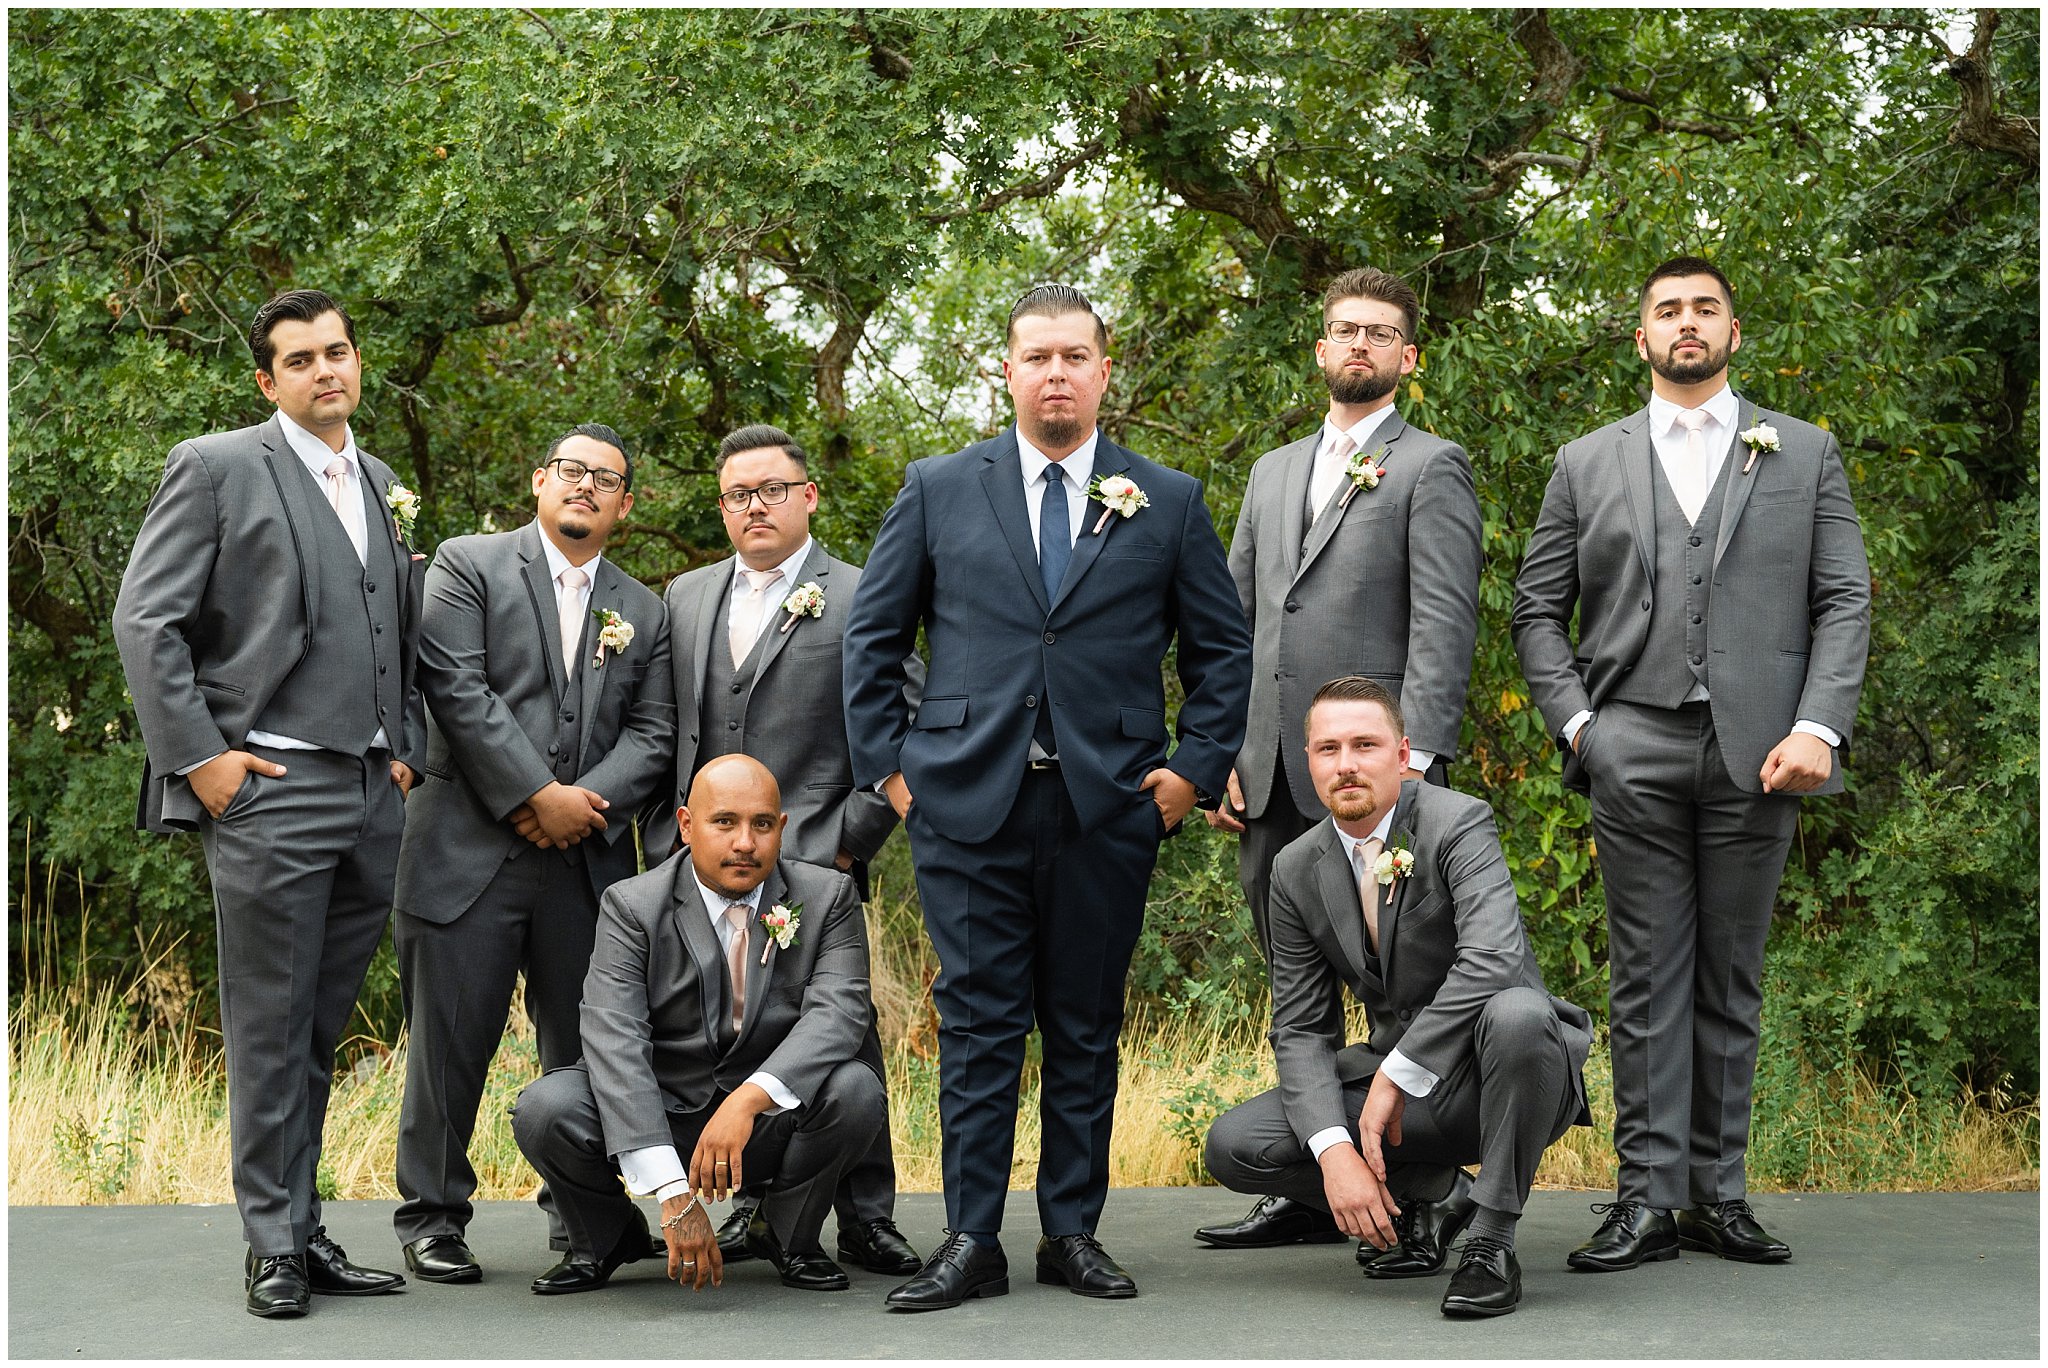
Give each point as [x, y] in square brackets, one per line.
[330, 1273]
[277, 1286]
[732, 1233]
[575, 1274]
[1488, 1281]
[1632, 1234]
[960, 1268]
[807, 1270]
[1274, 1221]
[879, 1247]
[1079, 1262]
[442, 1259]
[1427, 1230]
[1730, 1230]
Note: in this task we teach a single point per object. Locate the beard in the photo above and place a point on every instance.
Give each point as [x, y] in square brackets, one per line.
[1690, 372]
[1359, 387]
[1352, 807]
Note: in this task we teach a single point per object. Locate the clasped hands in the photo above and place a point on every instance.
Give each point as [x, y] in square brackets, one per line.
[715, 1173]
[1355, 1179]
[559, 815]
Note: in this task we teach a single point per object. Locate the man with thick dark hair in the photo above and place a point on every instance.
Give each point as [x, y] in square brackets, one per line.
[268, 624]
[1711, 551]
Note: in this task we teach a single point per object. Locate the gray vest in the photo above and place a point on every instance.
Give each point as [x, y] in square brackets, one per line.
[565, 752]
[1674, 659]
[723, 698]
[348, 683]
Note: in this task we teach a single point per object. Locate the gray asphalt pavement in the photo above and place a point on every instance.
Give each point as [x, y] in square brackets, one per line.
[1886, 1276]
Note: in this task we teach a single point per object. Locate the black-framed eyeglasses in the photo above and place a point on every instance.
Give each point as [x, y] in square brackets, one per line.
[1343, 331]
[571, 472]
[774, 492]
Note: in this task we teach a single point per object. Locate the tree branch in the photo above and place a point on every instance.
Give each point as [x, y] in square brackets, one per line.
[1980, 125]
[1047, 184]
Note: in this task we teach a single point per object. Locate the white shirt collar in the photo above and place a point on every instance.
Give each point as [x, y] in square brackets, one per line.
[1360, 432]
[1379, 833]
[790, 568]
[716, 902]
[315, 452]
[1079, 466]
[1722, 408]
[557, 562]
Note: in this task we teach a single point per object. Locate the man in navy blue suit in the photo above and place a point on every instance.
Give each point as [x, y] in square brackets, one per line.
[1050, 569]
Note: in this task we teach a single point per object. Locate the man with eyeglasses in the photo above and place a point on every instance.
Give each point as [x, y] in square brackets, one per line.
[551, 720]
[1356, 553]
[756, 669]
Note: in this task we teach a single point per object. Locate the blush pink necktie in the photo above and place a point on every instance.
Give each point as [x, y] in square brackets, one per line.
[569, 607]
[736, 960]
[1691, 487]
[1369, 888]
[745, 626]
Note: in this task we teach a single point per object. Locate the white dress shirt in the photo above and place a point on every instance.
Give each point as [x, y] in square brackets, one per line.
[1717, 438]
[658, 1169]
[557, 563]
[1407, 1075]
[771, 603]
[1078, 468]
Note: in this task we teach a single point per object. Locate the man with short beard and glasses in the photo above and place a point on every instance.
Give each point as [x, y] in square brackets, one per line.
[1340, 578]
[1711, 553]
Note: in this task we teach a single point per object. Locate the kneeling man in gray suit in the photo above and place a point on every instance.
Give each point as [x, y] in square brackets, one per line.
[1404, 897]
[723, 1018]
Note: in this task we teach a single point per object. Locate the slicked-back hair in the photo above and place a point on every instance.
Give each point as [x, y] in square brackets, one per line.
[597, 432]
[1054, 301]
[755, 437]
[1686, 266]
[299, 306]
[1356, 689]
[1370, 282]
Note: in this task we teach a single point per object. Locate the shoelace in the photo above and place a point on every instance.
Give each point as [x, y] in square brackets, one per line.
[1618, 1213]
[1479, 1247]
[952, 1242]
[1737, 1207]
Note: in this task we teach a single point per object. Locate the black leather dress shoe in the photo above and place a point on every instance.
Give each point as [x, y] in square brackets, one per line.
[1427, 1230]
[1632, 1234]
[1730, 1230]
[330, 1273]
[1488, 1281]
[807, 1270]
[960, 1268]
[879, 1247]
[277, 1286]
[1080, 1262]
[1274, 1221]
[574, 1274]
[443, 1259]
[732, 1232]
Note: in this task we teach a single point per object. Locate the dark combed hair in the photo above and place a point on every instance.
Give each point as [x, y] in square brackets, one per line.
[756, 436]
[1370, 282]
[1054, 301]
[597, 432]
[1357, 688]
[1685, 266]
[300, 306]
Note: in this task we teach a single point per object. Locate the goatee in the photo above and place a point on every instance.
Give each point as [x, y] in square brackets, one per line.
[1059, 431]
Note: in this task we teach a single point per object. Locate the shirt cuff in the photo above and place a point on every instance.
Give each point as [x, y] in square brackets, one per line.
[1326, 1137]
[1420, 759]
[656, 1171]
[1579, 719]
[1827, 734]
[218, 754]
[784, 1099]
[1408, 1076]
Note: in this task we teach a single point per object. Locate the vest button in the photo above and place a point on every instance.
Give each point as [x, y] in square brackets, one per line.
[1695, 579]
[737, 687]
[1697, 660]
[1646, 605]
[381, 710]
[386, 669]
[554, 750]
[1293, 607]
[370, 588]
[732, 726]
[1692, 541]
[1048, 638]
[1030, 700]
[1696, 619]
[378, 629]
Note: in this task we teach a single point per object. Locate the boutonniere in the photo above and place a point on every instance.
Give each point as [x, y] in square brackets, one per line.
[782, 922]
[405, 508]
[613, 632]
[1397, 863]
[807, 601]
[1364, 471]
[1116, 494]
[1761, 438]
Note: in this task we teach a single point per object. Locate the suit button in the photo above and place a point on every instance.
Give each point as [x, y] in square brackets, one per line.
[1695, 579]
[1695, 619]
[1695, 660]
[1646, 605]
[378, 629]
[381, 709]
[1405, 1015]
[1276, 674]
[1293, 607]
[1030, 700]
[386, 669]
[1692, 541]
[732, 726]
[568, 717]
[369, 588]
[1049, 638]
[554, 750]
[737, 687]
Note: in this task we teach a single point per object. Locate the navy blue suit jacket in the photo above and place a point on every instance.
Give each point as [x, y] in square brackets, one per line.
[956, 554]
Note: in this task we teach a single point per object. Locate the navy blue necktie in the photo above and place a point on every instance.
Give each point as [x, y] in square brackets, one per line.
[1055, 534]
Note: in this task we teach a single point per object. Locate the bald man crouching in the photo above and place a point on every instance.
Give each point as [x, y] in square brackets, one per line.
[724, 1011]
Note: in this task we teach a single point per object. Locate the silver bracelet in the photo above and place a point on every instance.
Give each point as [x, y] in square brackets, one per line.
[671, 1222]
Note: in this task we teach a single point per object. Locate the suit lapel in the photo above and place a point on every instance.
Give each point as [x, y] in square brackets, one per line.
[1110, 459]
[1325, 527]
[1634, 451]
[815, 568]
[299, 511]
[1294, 466]
[693, 924]
[1340, 899]
[540, 590]
[711, 596]
[760, 972]
[1399, 835]
[607, 594]
[1736, 498]
[1003, 480]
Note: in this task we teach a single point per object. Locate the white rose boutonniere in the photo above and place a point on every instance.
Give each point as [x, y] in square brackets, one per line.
[1364, 471]
[1397, 863]
[405, 509]
[782, 922]
[1761, 438]
[1117, 494]
[614, 632]
[807, 601]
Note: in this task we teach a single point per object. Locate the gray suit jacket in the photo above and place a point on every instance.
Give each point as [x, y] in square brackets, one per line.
[1388, 588]
[215, 608]
[1451, 939]
[794, 723]
[657, 988]
[1788, 629]
[491, 669]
